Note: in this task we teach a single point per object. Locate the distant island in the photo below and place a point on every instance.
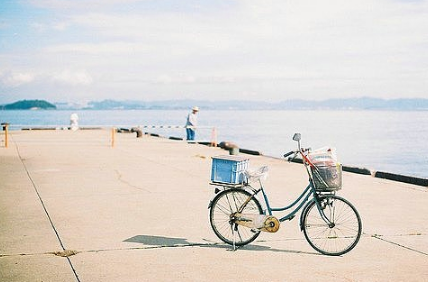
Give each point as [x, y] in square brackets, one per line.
[363, 103]
[29, 105]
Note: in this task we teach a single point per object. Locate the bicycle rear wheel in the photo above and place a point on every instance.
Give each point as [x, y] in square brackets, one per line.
[223, 206]
[341, 234]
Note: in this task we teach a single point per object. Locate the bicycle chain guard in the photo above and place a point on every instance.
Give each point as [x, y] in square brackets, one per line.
[266, 223]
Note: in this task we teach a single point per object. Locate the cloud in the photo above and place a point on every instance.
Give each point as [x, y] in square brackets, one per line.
[15, 79]
[79, 5]
[105, 48]
[73, 78]
[165, 33]
[47, 27]
[273, 49]
[179, 79]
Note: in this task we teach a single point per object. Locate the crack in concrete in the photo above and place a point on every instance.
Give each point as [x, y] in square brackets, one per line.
[65, 253]
[119, 177]
[36, 190]
[382, 238]
[69, 253]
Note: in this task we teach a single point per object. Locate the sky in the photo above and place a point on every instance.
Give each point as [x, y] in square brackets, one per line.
[272, 50]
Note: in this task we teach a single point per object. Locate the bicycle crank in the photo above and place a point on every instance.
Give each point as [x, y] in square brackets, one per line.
[271, 224]
[266, 223]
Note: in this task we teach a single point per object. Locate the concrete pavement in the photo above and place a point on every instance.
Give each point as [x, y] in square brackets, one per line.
[73, 208]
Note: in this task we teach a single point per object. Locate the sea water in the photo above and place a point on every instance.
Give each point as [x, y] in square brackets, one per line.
[391, 141]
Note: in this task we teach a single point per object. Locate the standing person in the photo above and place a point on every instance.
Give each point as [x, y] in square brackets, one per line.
[74, 122]
[191, 123]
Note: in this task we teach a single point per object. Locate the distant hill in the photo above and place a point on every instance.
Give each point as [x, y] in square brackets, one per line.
[364, 103]
[29, 105]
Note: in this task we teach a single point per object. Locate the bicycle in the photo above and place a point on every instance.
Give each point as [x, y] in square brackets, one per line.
[330, 224]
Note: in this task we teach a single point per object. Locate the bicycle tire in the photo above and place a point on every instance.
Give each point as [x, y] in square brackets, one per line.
[336, 239]
[223, 206]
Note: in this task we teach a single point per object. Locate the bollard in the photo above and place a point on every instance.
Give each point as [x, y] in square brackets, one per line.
[6, 131]
[138, 131]
[234, 150]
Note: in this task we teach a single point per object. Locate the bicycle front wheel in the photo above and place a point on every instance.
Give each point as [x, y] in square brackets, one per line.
[339, 232]
[223, 207]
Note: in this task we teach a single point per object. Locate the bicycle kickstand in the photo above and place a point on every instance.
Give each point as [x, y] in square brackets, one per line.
[234, 239]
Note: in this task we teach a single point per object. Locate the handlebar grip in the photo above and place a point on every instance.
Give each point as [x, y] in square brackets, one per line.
[289, 153]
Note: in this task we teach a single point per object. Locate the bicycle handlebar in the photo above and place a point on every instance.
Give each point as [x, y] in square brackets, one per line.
[296, 152]
[289, 153]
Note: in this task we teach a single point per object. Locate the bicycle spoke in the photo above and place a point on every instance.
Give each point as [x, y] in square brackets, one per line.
[338, 237]
[224, 206]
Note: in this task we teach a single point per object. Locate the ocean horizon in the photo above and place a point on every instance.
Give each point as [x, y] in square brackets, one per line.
[390, 141]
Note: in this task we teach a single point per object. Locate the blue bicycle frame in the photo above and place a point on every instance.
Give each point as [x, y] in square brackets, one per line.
[301, 202]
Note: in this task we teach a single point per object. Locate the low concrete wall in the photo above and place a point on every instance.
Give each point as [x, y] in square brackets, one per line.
[251, 152]
[402, 178]
[380, 174]
[359, 170]
[226, 145]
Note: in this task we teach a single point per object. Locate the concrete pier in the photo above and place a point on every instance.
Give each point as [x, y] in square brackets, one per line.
[75, 208]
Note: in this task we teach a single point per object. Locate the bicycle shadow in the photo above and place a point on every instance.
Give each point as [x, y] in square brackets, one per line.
[158, 241]
[152, 241]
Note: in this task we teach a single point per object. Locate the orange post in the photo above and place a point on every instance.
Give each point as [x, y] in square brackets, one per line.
[113, 130]
[6, 131]
[214, 137]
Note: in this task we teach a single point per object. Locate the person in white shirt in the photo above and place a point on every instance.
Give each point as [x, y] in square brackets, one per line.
[74, 122]
[191, 123]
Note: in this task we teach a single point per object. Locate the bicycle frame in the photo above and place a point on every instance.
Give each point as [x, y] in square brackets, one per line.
[302, 200]
[298, 203]
[305, 195]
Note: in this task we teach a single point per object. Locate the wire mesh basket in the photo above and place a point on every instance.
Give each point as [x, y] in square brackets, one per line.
[255, 175]
[327, 177]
